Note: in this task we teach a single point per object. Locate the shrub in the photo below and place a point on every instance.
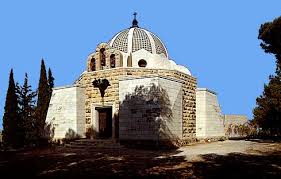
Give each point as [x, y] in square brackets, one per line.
[91, 133]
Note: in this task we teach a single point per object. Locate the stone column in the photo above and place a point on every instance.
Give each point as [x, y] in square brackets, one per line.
[129, 60]
[117, 61]
[98, 64]
[121, 60]
[107, 61]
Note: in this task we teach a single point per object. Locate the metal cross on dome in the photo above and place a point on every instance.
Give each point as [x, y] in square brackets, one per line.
[135, 15]
[135, 22]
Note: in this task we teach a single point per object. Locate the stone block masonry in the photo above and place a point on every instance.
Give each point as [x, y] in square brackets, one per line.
[66, 113]
[151, 109]
[92, 95]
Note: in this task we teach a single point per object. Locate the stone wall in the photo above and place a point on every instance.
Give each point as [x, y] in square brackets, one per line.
[112, 93]
[151, 108]
[209, 121]
[235, 119]
[189, 101]
[232, 121]
[66, 112]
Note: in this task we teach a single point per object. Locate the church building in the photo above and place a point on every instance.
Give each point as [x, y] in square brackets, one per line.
[132, 91]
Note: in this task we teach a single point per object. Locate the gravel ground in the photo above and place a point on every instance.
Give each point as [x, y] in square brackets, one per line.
[254, 147]
[227, 159]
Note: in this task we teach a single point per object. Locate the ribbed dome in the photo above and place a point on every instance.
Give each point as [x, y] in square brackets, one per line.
[135, 38]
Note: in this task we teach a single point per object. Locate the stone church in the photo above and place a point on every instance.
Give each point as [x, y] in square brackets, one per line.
[132, 90]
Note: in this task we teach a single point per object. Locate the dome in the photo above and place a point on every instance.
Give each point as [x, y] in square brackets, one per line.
[135, 38]
[137, 48]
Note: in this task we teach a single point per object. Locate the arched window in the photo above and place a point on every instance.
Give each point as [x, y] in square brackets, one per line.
[112, 61]
[142, 63]
[102, 57]
[93, 64]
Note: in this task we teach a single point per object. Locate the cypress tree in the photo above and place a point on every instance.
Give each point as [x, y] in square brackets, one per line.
[26, 111]
[20, 124]
[42, 101]
[50, 82]
[11, 117]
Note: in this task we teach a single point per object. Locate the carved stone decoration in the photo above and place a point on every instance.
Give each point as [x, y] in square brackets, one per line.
[102, 84]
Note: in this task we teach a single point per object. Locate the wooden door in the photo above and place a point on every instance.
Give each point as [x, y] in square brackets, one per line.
[105, 122]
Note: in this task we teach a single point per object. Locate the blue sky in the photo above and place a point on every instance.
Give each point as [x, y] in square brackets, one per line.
[216, 40]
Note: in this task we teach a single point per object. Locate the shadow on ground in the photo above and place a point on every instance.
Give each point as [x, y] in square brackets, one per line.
[237, 165]
[132, 163]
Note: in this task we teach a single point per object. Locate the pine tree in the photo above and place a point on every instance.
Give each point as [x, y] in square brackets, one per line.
[270, 34]
[11, 117]
[267, 114]
[42, 101]
[26, 111]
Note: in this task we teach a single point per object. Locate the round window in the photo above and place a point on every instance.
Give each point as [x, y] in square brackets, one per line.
[142, 63]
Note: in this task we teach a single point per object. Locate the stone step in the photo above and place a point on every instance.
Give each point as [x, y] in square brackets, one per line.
[94, 147]
[94, 140]
[94, 143]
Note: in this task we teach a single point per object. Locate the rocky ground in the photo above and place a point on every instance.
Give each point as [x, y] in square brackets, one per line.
[228, 159]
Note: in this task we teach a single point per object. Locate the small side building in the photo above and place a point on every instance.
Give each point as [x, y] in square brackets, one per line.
[210, 121]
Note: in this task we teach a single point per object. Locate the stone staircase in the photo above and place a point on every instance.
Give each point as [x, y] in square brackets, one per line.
[94, 144]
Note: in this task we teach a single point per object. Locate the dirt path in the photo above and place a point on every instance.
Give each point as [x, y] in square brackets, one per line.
[228, 159]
